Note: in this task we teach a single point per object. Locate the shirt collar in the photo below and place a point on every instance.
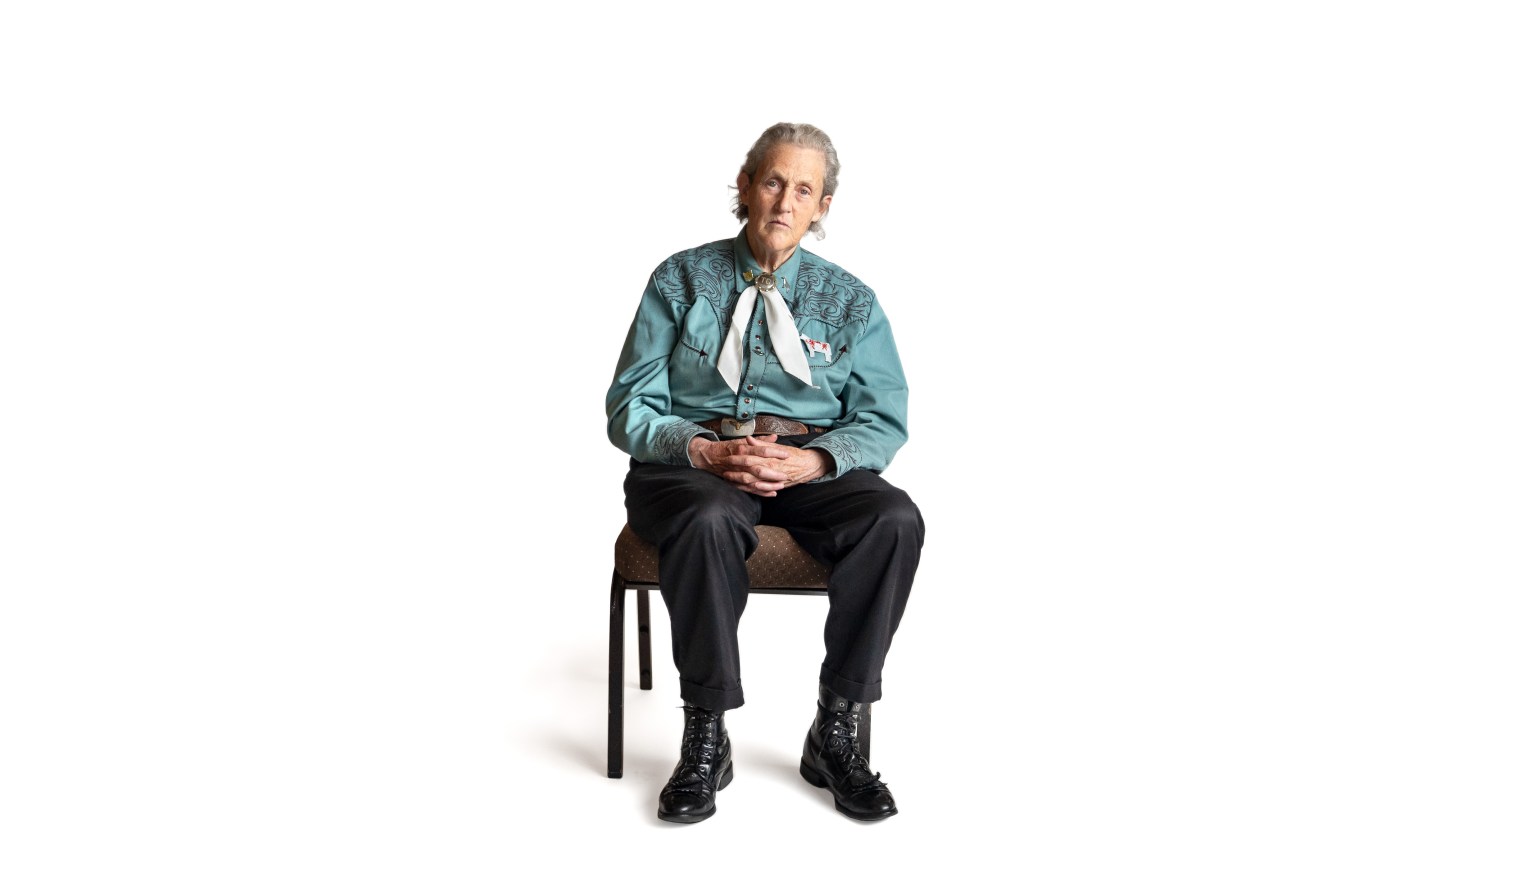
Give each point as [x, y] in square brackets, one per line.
[747, 267]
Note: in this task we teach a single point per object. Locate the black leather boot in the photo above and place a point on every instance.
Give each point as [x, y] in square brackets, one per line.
[703, 769]
[831, 760]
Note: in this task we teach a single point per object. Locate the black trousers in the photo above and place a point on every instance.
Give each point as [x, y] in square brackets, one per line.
[868, 531]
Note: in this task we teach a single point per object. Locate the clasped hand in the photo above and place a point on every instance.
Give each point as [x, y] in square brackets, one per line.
[757, 465]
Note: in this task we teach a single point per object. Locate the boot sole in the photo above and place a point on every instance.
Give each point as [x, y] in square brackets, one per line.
[726, 776]
[820, 781]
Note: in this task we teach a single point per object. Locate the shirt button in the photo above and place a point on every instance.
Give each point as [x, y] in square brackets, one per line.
[747, 400]
[749, 387]
[743, 415]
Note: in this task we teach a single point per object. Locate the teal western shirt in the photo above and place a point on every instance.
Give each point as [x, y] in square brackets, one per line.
[666, 381]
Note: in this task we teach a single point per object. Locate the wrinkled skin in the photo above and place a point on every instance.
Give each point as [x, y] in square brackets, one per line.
[757, 465]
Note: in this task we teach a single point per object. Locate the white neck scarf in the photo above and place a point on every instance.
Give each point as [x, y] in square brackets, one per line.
[781, 332]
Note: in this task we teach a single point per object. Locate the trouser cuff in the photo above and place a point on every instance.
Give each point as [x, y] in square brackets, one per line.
[712, 698]
[853, 691]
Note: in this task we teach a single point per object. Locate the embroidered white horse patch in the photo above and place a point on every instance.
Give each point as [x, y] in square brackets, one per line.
[815, 347]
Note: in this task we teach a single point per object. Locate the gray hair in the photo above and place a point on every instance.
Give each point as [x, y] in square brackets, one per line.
[803, 135]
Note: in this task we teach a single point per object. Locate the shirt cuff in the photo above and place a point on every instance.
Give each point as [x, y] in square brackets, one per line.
[672, 441]
[845, 454]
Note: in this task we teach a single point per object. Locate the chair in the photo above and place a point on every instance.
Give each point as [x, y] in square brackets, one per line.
[778, 566]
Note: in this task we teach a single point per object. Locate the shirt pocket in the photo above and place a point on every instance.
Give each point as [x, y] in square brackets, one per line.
[691, 373]
[698, 338]
[830, 359]
[688, 353]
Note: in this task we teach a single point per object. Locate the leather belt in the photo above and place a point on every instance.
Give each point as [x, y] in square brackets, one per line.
[760, 425]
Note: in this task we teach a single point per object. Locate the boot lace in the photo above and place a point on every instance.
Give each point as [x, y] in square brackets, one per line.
[698, 756]
[842, 746]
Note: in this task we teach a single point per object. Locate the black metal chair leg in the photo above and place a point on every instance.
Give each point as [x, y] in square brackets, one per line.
[616, 678]
[643, 611]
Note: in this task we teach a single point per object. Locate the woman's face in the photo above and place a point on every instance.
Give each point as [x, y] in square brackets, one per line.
[782, 200]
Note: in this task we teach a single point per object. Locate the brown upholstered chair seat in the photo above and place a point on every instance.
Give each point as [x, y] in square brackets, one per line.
[777, 563]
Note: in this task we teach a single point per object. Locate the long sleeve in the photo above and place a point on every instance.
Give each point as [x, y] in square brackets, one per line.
[639, 403]
[873, 423]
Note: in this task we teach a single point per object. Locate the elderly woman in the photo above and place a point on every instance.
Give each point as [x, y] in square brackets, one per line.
[760, 384]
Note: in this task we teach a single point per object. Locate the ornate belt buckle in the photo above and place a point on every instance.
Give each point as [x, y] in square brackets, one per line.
[732, 428]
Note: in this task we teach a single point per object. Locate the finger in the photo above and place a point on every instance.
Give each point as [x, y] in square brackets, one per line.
[752, 441]
[749, 463]
[748, 460]
[760, 482]
[749, 488]
[770, 469]
[763, 483]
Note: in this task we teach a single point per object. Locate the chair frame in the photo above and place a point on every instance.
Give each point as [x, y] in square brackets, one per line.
[616, 661]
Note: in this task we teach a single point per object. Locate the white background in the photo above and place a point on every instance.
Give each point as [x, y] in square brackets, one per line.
[1218, 323]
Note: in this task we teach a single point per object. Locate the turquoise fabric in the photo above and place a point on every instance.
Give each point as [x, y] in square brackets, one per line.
[666, 381]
